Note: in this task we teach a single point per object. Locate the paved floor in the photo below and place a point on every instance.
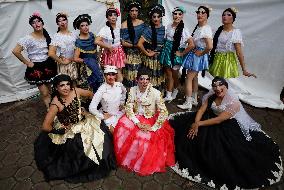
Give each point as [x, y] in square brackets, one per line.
[19, 126]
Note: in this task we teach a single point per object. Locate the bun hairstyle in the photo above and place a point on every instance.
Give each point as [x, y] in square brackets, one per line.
[36, 15]
[60, 15]
[81, 18]
[233, 11]
[130, 26]
[160, 10]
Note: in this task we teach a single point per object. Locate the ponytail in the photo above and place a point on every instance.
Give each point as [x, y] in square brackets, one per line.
[111, 30]
[131, 30]
[47, 37]
[215, 42]
[154, 35]
[177, 39]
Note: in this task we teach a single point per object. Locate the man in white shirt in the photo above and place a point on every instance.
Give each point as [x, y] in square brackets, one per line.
[111, 95]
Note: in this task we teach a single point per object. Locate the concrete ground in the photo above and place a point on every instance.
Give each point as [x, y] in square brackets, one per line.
[19, 126]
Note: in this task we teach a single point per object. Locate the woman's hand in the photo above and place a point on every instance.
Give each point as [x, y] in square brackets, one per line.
[193, 130]
[110, 49]
[151, 53]
[179, 54]
[65, 61]
[248, 74]
[106, 116]
[198, 53]
[30, 64]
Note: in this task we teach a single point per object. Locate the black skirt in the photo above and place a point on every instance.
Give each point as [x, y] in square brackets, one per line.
[220, 156]
[41, 72]
[68, 161]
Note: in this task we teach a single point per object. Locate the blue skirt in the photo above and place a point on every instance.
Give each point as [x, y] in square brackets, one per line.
[196, 63]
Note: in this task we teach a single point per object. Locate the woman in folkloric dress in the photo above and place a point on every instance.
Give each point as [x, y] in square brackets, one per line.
[227, 49]
[143, 138]
[111, 95]
[131, 31]
[151, 43]
[77, 146]
[40, 68]
[89, 72]
[221, 146]
[197, 60]
[109, 39]
[62, 48]
[178, 43]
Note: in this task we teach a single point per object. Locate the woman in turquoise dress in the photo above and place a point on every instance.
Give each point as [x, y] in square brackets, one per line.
[89, 71]
[131, 31]
[151, 44]
[178, 43]
[227, 49]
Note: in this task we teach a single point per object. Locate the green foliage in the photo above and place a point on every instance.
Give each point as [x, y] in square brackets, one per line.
[146, 4]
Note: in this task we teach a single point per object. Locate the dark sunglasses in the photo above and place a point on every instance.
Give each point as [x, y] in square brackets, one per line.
[111, 74]
[202, 12]
[178, 14]
[226, 14]
[142, 78]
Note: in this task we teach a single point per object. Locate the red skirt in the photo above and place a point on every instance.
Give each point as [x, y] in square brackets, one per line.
[115, 58]
[144, 152]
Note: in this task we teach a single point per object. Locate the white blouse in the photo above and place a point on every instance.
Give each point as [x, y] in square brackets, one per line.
[105, 33]
[227, 40]
[170, 31]
[65, 44]
[201, 33]
[110, 97]
[36, 48]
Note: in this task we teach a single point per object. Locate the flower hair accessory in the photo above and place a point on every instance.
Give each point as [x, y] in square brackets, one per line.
[234, 9]
[36, 13]
[117, 11]
[179, 8]
[62, 13]
[208, 7]
[157, 7]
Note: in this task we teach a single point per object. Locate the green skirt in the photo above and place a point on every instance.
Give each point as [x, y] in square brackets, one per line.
[224, 65]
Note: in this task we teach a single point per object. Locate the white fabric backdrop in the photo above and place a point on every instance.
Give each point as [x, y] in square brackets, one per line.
[261, 23]
[14, 25]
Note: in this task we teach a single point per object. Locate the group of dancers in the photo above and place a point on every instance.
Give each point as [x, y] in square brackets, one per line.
[125, 121]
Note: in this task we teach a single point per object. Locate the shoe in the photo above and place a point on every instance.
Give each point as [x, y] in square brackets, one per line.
[168, 98]
[194, 102]
[174, 94]
[185, 106]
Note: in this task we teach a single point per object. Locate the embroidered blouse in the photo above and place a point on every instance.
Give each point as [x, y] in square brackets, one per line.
[201, 33]
[105, 33]
[227, 40]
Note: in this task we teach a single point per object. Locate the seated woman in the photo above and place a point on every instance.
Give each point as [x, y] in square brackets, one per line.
[112, 96]
[78, 148]
[143, 138]
[222, 146]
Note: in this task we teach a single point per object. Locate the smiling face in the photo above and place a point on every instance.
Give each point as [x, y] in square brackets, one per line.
[227, 17]
[84, 28]
[62, 23]
[156, 19]
[143, 82]
[63, 88]
[201, 15]
[37, 24]
[177, 16]
[220, 89]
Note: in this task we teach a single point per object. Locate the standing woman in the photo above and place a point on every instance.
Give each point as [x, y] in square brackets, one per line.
[198, 59]
[131, 31]
[227, 49]
[62, 48]
[109, 39]
[151, 44]
[40, 68]
[177, 38]
[89, 71]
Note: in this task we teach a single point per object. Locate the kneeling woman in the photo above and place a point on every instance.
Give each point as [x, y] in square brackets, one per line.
[222, 146]
[78, 148]
[143, 138]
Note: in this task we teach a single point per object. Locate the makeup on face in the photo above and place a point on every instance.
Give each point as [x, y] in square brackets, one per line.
[144, 78]
[111, 74]
[227, 14]
[176, 13]
[200, 12]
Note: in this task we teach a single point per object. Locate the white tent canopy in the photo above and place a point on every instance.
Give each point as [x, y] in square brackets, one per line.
[14, 25]
[261, 23]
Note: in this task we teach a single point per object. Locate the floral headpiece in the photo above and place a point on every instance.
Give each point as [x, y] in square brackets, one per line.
[234, 9]
[158, 7]
[179, 8]
[208, 7]
[35, 15]
[81, 18]
[113, 9]
[132, 4]
[62, 14]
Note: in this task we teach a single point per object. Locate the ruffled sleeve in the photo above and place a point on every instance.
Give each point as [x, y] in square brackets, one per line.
[104, 32]
[206, 32]
[55, 41]
[186, 34]
[25, 42]
[237, 37]
[129, 106]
